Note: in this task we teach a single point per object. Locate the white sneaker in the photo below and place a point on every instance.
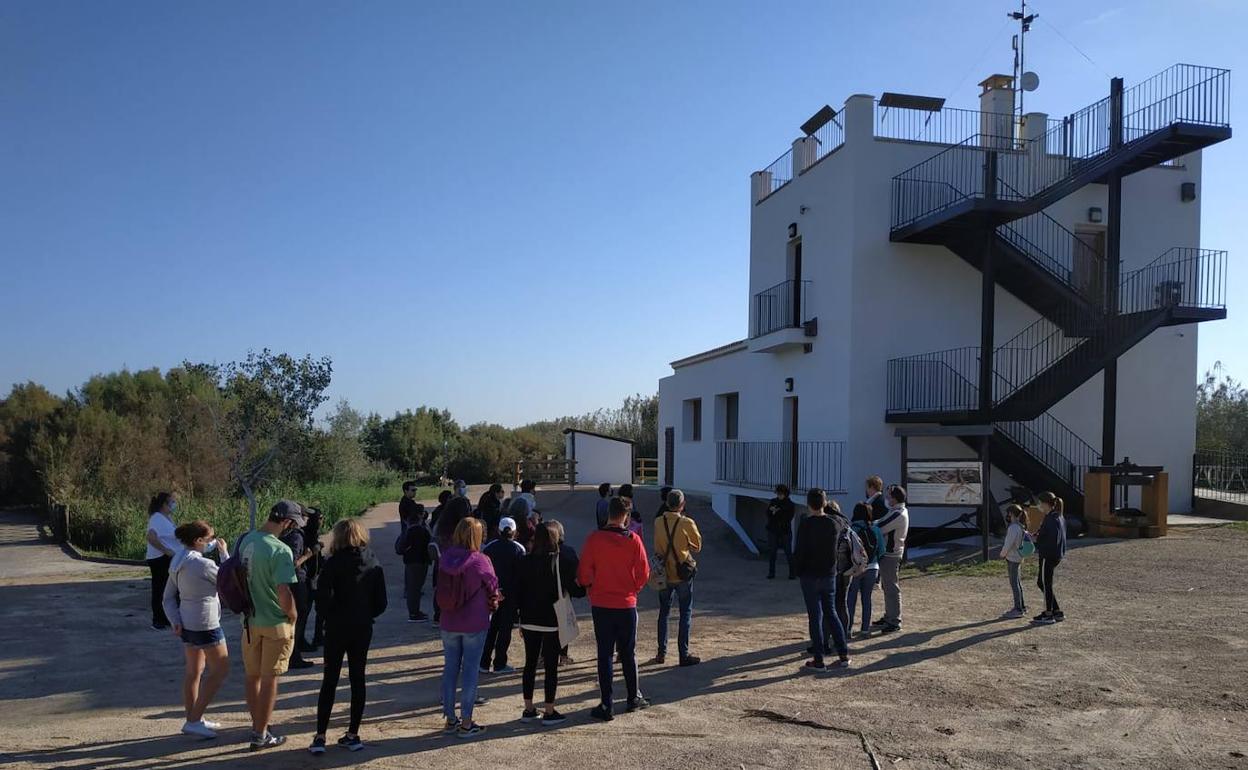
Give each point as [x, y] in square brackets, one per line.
[198, 729]
[211, 725]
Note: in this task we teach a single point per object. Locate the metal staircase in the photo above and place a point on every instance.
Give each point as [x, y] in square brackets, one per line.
[985, 196]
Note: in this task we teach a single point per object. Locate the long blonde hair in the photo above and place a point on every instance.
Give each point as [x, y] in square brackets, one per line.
[348, 533]
[468, 534]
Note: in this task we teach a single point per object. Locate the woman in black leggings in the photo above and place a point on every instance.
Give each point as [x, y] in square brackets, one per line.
[351, 592]
[1051, 546]
[542, 577]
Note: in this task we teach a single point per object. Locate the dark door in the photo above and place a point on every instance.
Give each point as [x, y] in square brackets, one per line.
[669, 455]
[795, 285]
[1089, 264]
[791, 475]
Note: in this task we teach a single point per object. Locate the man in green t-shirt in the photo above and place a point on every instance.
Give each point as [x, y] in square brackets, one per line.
[269, 637]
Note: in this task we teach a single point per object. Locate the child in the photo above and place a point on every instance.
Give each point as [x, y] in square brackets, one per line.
[415, 552]
[1051, 546]
[1015, 536]
[864, 585]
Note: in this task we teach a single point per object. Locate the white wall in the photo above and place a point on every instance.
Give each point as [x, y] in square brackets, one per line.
[599, 459]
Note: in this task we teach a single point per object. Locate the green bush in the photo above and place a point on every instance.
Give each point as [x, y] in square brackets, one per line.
[117, 528]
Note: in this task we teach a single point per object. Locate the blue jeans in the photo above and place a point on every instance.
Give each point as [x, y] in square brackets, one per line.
[616, 631]
[684, 597]
[1016, 585]
[461, 655]
[864, 586]
[819, 594]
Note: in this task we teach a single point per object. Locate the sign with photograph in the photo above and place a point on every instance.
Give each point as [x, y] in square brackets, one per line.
[944, 482]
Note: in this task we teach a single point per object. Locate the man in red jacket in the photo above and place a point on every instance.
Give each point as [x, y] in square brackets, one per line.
[614, 568]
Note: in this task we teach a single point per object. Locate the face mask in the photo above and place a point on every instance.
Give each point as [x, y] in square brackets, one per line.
[210, 546]
[173, 505]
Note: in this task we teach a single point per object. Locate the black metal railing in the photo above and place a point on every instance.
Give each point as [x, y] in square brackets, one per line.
[1220, 474]
[783, 306]
[1060, 252]
[1181, 277]
[1068, 148]
[802, 465]
[944, 381]
[780, 171]
[1055, 446]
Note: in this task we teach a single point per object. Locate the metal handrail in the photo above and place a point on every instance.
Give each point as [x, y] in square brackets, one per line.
[783, 306]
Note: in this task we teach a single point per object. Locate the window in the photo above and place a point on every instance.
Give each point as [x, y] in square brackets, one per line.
[726, 416]
[692, 412]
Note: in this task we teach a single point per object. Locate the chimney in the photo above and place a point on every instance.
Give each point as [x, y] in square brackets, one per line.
[996, 103]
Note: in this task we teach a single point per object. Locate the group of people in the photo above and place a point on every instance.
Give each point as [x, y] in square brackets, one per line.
[501, 566]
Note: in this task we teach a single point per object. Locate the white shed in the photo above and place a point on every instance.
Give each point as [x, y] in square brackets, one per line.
[599, 458]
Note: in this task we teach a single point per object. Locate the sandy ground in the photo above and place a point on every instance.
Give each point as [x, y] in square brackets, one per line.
[1150, 671]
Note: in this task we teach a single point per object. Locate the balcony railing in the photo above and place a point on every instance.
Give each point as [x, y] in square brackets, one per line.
[802, 465]
[783, 306]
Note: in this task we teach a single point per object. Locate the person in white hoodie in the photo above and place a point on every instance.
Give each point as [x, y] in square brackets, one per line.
[894, 527]
[1011, 551]
[191, 604]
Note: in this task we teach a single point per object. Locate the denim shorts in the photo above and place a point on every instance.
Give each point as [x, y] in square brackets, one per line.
[203, 638]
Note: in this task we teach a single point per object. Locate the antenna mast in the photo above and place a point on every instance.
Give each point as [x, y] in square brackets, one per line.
[1020, 47]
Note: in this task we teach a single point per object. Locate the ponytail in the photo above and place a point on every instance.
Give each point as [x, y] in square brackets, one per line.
[158, 502]
[1018, 512]
[1051, 500]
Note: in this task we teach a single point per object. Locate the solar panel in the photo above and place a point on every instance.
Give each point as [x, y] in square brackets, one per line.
[818, 120]
[911, 101]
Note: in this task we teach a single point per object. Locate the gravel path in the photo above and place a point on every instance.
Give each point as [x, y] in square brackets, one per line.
[1148, 672]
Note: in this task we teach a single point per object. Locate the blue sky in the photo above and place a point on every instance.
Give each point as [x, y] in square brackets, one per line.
[511, 210]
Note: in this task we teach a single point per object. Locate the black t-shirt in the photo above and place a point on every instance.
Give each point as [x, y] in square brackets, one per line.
[407, 509]
[815, 555]
[780, 515]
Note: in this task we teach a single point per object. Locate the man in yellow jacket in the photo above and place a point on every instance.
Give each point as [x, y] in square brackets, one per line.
[681, 532]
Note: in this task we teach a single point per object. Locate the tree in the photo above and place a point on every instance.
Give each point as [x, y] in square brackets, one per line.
[1221, 412]
[22, 414]
[266, 402]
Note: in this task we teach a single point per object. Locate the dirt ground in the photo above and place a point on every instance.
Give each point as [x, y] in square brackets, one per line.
[1149, 671]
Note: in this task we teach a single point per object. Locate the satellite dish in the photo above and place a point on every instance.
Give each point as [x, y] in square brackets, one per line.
[1030, 81]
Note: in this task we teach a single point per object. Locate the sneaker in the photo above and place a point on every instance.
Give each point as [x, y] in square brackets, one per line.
[301, 663]
[889, 628]
[1043, 620]
[504, 669]
[566, 660]
[690, 660]
[553, 718]
[1059, 616]
[840, 664]
[419, 617]
[351, 742]
[1011, 614]
[601, 713]
[318, 745]
[210, 724]
[484, 669]
[814, 665]
[160, 627]
[469, 730]
[266, 741]
[879, 623]
[451, 725]
[638, 704]
[658, 660]
[530, 715]
[198, 729]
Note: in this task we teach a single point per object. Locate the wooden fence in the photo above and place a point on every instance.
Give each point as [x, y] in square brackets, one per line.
[646, 471]
[556, 471]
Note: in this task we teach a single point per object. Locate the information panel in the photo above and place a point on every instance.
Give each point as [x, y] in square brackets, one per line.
[944, 482]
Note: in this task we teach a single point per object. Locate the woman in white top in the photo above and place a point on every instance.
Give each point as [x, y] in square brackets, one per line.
[1012, 553]
[162, 544]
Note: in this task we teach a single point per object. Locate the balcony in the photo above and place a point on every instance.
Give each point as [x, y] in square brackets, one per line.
[780, 320]
[802, 465]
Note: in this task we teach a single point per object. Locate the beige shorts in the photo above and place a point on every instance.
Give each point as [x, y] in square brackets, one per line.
[267, 649]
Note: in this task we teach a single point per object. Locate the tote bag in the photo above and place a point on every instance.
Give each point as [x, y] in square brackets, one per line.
[565, 613]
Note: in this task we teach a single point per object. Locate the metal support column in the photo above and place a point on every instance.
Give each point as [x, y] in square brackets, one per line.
[1113, 249]
[985, 459]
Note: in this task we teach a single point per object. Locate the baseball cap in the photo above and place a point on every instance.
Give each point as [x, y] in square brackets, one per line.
[506, 523]
[288, 509]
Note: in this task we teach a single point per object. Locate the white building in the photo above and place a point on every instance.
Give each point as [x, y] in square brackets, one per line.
[867, 242]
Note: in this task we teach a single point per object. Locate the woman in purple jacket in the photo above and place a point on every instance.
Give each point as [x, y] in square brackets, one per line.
[467, 592]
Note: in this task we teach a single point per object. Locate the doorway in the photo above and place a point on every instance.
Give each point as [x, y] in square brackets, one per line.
[669, 455]
[1088, 263]
[793, 272]
[789, 448]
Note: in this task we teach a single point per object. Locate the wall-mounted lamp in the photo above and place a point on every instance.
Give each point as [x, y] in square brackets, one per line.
[1095, 214]
[788, 384]
[1187, 192]
[792, 229]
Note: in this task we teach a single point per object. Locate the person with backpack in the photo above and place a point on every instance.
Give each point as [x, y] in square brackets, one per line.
[875, 497]
[780, 512]
[863, 585]
[467, 592]
[1051, 546]
[352, 596]
[614, 569]
[269, 626]
[894, 526]
[413, 546]
[542, 578]
[676, 540]
[1016, 538]
[851, 561]
[191, 604]
[815, 561]
[504, 555]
